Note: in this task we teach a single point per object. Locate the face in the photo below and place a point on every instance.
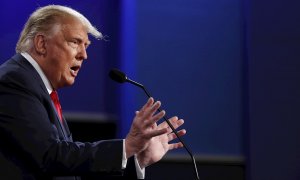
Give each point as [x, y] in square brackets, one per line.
[65, 52]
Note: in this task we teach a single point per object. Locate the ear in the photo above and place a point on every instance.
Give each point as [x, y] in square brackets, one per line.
[39, 43]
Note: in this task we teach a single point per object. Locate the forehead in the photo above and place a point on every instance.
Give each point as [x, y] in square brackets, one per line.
[74, 28]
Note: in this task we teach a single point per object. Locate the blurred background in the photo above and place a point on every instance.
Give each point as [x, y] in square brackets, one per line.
[229, 68]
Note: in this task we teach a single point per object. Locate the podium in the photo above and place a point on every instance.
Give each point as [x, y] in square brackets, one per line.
[90, 127]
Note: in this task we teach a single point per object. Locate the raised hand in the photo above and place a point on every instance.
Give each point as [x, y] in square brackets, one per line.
[144, 128]
[160, 145]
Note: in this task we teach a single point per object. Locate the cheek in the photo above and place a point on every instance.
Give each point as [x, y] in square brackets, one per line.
[65, 59]
[68, 56]
[62, 57]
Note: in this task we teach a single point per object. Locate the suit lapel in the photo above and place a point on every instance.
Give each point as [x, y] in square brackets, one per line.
[62, 127]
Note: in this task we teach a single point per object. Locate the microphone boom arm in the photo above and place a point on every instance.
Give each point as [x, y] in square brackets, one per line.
[170, 125]
[120, 77]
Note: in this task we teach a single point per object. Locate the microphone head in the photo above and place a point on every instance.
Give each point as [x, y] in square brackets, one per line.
[117, 75]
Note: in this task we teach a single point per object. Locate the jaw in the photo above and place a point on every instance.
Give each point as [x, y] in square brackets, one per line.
[63, 80]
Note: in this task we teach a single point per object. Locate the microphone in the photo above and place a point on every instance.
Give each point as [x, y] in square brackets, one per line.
[121, 77]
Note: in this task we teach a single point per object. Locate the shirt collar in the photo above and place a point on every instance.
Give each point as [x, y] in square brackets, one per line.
[39, 70]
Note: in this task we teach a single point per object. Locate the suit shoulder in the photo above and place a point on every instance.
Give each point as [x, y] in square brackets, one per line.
[19, 74]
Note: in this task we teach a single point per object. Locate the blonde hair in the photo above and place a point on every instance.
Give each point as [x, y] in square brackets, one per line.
[44, 20]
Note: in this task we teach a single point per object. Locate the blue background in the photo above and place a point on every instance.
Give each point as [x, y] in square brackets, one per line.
[230, 68]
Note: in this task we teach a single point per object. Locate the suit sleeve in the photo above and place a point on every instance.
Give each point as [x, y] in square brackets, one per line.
[29, 137]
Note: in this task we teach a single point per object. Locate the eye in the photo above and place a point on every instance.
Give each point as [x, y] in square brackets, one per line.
[73, 43]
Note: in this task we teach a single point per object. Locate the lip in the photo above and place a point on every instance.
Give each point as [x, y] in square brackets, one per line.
[74, 70]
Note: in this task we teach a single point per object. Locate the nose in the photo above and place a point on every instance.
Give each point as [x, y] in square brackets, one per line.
[82, 54]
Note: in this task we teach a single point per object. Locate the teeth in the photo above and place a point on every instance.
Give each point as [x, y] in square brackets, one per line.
[74, 70]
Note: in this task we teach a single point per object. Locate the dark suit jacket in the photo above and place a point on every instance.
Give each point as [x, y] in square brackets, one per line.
[33, 143]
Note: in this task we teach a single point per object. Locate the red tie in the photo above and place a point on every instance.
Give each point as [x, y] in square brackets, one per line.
[54, 97]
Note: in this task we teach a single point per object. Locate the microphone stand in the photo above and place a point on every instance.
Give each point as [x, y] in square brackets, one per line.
[171, 126]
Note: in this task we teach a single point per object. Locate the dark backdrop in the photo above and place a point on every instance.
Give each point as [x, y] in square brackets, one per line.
[230, 68]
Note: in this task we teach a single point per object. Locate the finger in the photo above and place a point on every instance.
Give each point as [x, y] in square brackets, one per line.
[175, 145]
[173, 136]
[157, 133]
[149, 112]
[172, 121]
[176, 124]
[155, 118]
[148, 104]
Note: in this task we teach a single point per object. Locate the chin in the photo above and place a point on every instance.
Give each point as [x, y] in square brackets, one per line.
[68, 83]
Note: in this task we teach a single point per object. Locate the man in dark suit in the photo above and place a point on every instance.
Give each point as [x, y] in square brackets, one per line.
[35, 142]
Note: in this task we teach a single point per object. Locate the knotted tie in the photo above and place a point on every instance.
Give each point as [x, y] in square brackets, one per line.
[54, 97]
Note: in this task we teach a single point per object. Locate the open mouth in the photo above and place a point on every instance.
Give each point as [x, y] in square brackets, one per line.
[74, 70]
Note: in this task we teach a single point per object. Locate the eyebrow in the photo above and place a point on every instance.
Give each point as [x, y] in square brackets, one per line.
[80, 41]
